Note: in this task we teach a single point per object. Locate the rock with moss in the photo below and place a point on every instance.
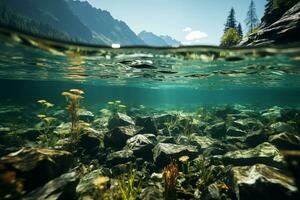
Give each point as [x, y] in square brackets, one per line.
[261, 182]
[264, 153]
[36, 166]
[120, 119]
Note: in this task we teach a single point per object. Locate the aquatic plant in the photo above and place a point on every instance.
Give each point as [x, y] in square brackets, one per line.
[47, 122]
[129, 188]
[185, 163]
[171, 125]
[74, 98]
[170, 174]
[205, 173]
[116, 106]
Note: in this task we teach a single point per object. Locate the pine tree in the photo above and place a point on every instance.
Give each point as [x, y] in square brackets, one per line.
[240, 30]
[251, 19]
[231, 21]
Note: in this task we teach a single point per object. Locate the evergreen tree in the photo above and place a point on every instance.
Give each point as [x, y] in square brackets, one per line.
[231, 21]
[251, 19]
[230, 38]
[240, 30]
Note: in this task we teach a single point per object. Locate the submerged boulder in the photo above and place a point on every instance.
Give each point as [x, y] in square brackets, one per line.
[148, 124]
[280, 127]
[217, 130]
[248, 123]
[261, 182]
[120, 157]
[61, 188]
[36, 166]
[264, 153]
[120, 119]
[285, 141]
[88, 188]
[233, 131]
[86, 115]
[142, 145]
[255, 138]
[163, 153]
[90, 141]
[117, 137]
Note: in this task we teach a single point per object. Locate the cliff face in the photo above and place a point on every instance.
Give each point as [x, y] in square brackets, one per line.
[285, 30]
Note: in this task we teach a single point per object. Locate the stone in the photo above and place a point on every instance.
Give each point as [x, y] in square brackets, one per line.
[261, 182]
[30, 134]
[160, 120]
[280, 127]
[285, 141]
[203, 142]
[151, 193]
[142, 145]
[86, 189]
[163, 153]
[85, 115]
[117, 137]
[217, 130]
[248, 123]
[89, 141]
[61, 188]
[255, 138]
[264, 153]
[37, 166]
[120, 119]
[233, 131]
[120, 157]
[148, 124]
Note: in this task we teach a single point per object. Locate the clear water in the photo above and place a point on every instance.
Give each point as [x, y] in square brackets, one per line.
[148, 81]
[31, 69]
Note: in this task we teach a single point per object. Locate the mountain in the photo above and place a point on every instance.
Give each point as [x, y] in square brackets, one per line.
[158, 41]
[170, 41]
[55, 13]
[103, 26]
[151, 39]
[77, 19]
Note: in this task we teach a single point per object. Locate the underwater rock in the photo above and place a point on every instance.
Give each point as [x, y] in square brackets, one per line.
[219, 149]
[86, 115]
[151, 193]
[285, 141]
[217, 130]
[163, 153]
[273, 114]
[222, 112]
[87, 189]
[142, 145]
[30, 134]
[233, 131]
[203, 142]
[61, 188]
[261, 182]
[165, 139]
[120, 119]
[264, 153]
[280, 127]
[255, 138]
[120, 157]
[117, 137]
[248, 123]
[212, 192]
[160, 120]
[36, 166]
[89, 141]
[148, 124]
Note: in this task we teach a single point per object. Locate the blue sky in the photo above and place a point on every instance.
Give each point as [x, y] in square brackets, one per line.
[200, 18]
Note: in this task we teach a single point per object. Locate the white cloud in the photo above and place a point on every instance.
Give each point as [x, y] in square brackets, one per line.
[195, 35]
[187, 29]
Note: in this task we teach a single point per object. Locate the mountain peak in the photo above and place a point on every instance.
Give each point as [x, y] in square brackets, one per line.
[152, 39]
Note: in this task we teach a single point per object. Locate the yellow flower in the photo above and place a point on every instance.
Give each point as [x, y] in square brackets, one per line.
[77, 91]
[41, 116]
[184, 159]
[100, 182]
